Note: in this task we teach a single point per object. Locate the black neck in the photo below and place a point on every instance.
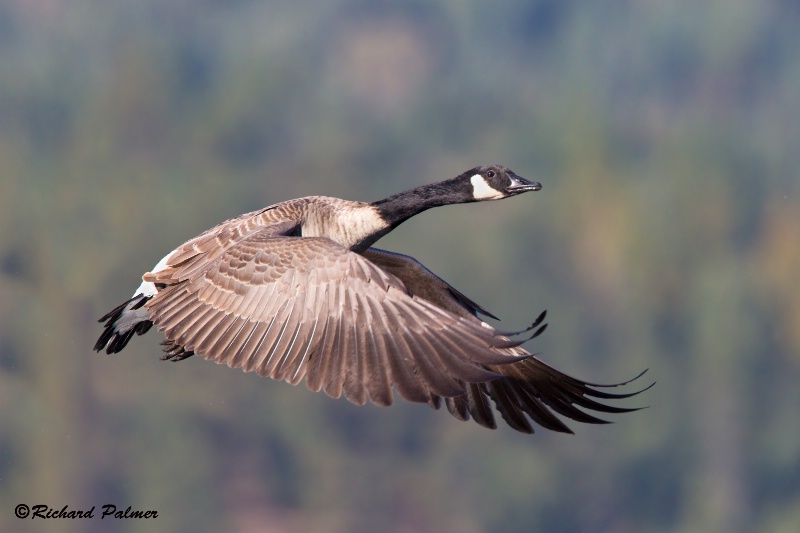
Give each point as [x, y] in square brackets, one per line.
[398, 208]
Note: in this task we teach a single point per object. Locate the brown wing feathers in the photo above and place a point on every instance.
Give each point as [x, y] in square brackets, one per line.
[528, 387]
[253, 307]
[361, 326]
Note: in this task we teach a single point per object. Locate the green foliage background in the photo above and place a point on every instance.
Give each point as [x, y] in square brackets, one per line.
[667, 236]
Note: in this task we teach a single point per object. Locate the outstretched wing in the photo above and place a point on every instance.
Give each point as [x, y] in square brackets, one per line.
[298, 307]
[527, 387]
[423, 283]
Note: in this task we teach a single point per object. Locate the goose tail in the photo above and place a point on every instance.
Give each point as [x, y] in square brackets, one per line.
[122, 322]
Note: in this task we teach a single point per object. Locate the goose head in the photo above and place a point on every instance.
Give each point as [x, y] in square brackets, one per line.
[495, 182]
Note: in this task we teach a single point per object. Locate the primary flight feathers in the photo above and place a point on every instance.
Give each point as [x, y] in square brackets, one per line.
[295, 291]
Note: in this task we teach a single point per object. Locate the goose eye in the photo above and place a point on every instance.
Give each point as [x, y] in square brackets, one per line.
[490, 174]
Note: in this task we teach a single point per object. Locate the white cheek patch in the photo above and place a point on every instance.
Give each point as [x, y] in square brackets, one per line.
[481, 190]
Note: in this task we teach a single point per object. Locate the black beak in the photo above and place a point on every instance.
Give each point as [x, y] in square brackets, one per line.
[520, 185]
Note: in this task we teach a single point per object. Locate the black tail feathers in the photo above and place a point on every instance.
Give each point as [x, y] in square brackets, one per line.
[113, 340]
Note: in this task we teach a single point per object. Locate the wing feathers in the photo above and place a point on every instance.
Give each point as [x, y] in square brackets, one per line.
[505, 400]
[306, 308]
[333, 361]
[378, 370]
[238, 343]
[317, 357]
[527, 387]
[289, 324]
[354, 389]
[220, 351]
[479, 407]
[405, 371]
[273, 333]
[215, 333]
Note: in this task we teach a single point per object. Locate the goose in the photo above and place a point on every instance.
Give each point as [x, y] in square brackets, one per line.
[296, 291]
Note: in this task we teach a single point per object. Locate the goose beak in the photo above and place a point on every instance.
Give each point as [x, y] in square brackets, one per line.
[520, 185]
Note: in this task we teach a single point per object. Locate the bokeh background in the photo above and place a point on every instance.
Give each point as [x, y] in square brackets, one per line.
[667, 236]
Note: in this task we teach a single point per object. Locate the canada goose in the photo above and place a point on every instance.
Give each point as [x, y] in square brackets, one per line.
[296, 291]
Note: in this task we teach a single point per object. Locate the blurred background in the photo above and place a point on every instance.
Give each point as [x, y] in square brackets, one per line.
[666, 236]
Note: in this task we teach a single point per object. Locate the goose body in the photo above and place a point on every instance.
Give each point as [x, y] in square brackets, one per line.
[296, 291]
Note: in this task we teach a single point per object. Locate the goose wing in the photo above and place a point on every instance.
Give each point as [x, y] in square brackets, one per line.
[527, 387]
[305, 307]
[423, 283]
